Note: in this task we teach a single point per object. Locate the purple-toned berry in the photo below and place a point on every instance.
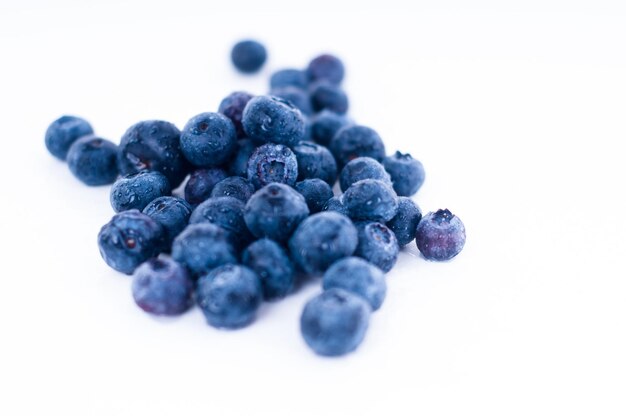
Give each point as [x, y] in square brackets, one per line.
[440, 235]
[326, 67]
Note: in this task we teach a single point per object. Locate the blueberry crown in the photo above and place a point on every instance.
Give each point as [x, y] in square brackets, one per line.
[442, 215]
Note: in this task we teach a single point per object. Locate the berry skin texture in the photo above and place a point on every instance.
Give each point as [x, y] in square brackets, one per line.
[357, 276]
[93, 160]
[273, 267]
[272, 119]
[334, 322]
[322, 239]
[153, 145]
[327, 96]
[162, 287]
[326, 67]
[404, 224]
[227, 213]
[324, 126]
[248, 56]
[407, 174]
[232, 107]
[272, 163]
[362, 168]
[208, 140]
[296, 96]
[235, 186]
[275, 211]
[202, 247]
[440, 235]
[229, 296]
[289, 78]
[355, 141]
[201, 183]
[172, 213]
[64, 131]
[239, 164]
[129, 239]
[377, 244]
[315, 161]
[336, 204]
[138, 190]
[316, 193]
[370, 200]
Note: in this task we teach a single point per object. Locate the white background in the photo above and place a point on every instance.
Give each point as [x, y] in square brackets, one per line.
[516, 109]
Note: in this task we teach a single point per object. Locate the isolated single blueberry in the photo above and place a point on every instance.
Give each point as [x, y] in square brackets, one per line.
[336, 204]
[137, 190]
[129, 239]
[334, 322]
[362, 168]
[440, 235]
[326, 67]
[407, 174]
[272, 163]
[359, 277]
[289, 78]
[316, 193]
[64, 131]
[229, 296]
[208, 140]
[232, 107]
[248, 56]
[238, 166]
[324, 126]
[201, 183]
[226, 212]
[172, 213]
[322, 239]
[93, 160]
[404, 224]
[272, 119]
[355, 141]
[273, 267]
[153, 145]
[370, 200]
[327, 96]
[296, 96]
[235, 186]
[377, 244]
[161, 286]
[202, 247]
[315, 161]
[275, 211]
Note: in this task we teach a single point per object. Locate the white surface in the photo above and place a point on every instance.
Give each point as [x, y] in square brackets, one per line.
[517, 113]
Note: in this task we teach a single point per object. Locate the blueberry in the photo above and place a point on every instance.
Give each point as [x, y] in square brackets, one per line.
[359, 277]
[172, 213]
[235, 186]
[296, 96]
[129, 239]
[316, 193]
[322, 239]
[64, 131]
[407, 174]
[335, 322]
[315, 161]
[289, 78]
[370, 200]
[226, 212]
[275, 211]
[229, 296]
[377, 244]
[273, 267]
[336, 204]
[440, 235]
[324, 126]
[208, 140]
[138, 190]
[153, 145]
[93, 160]
[326, 67]
[272, 119]
[201, 183]
[327, 96]
[202, 247]
[354, 141]
[362, 168]
[248, 56]
[405, 222]
[232, 107]
[272, 163]
[239, 164]
[162, 287]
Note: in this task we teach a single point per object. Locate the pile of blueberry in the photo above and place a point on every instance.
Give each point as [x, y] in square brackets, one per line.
[259, 211]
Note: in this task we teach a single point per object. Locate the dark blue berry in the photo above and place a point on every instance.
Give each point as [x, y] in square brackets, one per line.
[232, 107]
[316, 193]
[172, 213]
[161, 286]
[355, 141]
[440, 235]
[370, 200]
[239, 164]
[202, 247]
[327, 96]
[272, 163]
[296, 96]
[335, 322]
[129, 239]
[64, 131]
[315, 161]
[377, 244]
[138, 190]
[336, 204]
[273, 267]
[208, 140]
[326, 67]
[201, 183]
[359, 277]
[229, 296]
[93, 160]
[289, 78]
[405, 222]
[362, 168]
[235, 186]
[325, 125]
[272, 119]
[226, 212]
[407, 174]
[248, 56]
